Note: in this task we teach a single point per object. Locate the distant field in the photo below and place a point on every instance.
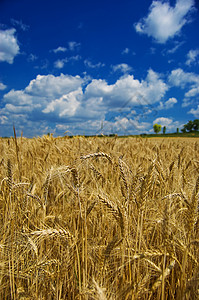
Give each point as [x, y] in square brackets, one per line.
[99, 218]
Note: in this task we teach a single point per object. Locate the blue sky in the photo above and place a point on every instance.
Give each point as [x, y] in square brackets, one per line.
[107, 66]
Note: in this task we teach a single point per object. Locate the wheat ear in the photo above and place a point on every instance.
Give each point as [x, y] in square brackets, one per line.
[192, 213]
[95, 155]
[9, 173]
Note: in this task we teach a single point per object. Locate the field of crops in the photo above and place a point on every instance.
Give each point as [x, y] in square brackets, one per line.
[99, 218]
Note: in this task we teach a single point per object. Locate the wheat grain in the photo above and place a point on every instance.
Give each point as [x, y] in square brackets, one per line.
[90, 218]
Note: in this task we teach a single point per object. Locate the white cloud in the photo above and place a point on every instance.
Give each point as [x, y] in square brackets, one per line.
[43, 95]
[20, 24]
[168, 104]
[192, 92]
[175, 48]
[51, 86]
[3, 120]
[75, 57]
[2, 86]
[73, 46]
[9, 47]
[17, 109]
[130, 124]
[129, 90]
[164, 21]
[195, 112]
[75, 101]
[154, 87]
[98, 87]
[59, 49]
[32, 57]
[192, 57]
[124, 68]
[163, 121]
[184, 80]
[17, 98]
[180, 78]
[89, 64]
[126, 51]
[65, 105]
[47, 99]
[59, 64]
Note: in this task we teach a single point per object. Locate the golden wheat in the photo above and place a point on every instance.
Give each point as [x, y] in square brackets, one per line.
[99, 218]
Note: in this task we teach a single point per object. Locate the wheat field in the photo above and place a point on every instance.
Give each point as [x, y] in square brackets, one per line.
[99, 218]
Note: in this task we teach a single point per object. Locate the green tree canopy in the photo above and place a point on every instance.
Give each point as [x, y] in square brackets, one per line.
[191, 126]
[196, 124]
[157, 128]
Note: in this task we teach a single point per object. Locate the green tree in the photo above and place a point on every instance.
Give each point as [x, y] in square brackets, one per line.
[177, 130]
[157, 128]
[196, 125]
[189, 126]
[183, 130]
[164, 129]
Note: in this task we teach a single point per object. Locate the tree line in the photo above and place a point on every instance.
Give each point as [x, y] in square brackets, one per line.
[191, 126]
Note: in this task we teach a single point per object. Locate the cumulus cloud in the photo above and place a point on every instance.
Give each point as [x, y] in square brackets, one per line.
[192, 92]
[59, 49]
[129, 90]
[9, 47]
[163, 121]
[51, 86]
[17, 98]
[195, 112]
[75, 57]
[184, 80]
[59, 64]
[126, 51]
[43, 95]
[2, 86]
[168, 104]
[73, 45]
[180, 78]
[91, 65]
[76, 101]
[3, 120]
[164, 21]
[17, 109]
[46, 100]
[128, 124]
[124, 68]
[192, 57]
[65, 105]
